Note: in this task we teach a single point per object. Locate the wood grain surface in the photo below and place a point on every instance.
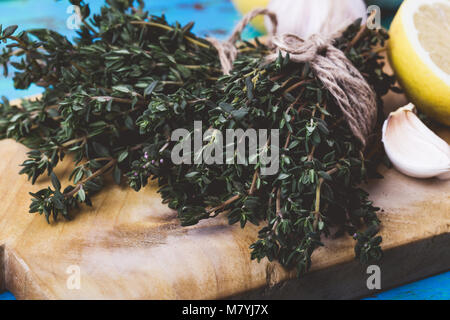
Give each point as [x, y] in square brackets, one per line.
[130, 246]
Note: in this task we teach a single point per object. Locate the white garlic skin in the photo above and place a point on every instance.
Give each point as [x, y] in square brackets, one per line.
[307, 17]
[413, 148]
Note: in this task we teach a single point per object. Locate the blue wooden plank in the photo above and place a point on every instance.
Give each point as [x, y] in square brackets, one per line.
[7, 296]
[30, 14]
[434, 288]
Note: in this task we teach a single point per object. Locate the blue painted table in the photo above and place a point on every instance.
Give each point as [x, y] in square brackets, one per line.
[212, 17]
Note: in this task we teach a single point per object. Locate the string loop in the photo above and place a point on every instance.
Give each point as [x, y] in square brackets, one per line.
[355, 97]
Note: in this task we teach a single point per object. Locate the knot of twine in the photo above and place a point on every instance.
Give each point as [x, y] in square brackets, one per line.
[339, 76]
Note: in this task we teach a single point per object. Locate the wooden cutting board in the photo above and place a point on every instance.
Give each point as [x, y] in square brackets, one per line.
[130, 246]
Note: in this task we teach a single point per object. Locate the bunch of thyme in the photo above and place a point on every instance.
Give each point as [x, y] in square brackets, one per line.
[316, 191]
[114, 96]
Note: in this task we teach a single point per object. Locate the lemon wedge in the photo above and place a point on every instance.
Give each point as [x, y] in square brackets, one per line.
[419, 52]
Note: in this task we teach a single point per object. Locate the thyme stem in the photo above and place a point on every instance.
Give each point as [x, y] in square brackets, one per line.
[98, 173]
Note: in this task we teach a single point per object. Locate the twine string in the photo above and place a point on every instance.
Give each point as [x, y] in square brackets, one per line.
[339, 76]
[227, 50]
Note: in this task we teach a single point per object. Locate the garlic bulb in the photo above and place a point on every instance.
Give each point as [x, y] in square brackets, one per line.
[305, 17]
[413, 148]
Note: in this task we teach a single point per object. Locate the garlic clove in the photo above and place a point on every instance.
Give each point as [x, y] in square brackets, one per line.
[413, 148]
[305, 17]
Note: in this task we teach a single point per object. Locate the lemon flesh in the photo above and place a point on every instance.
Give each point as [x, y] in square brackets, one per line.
[419, 51]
